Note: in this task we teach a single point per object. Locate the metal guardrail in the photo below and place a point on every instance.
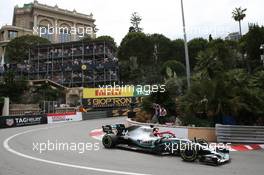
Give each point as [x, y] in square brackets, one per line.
[94, 115]
[239, 134]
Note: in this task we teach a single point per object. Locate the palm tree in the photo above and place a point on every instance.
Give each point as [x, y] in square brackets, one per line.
[239, 15]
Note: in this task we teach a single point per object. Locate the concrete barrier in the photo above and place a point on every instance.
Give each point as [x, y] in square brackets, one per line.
[202, 132]
[183, 131]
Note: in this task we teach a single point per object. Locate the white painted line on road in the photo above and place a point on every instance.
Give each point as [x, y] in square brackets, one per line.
[8, 148]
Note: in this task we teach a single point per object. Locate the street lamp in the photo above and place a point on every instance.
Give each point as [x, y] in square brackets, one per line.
[187, 62]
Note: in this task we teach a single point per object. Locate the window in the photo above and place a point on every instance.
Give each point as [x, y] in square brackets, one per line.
[12, 34]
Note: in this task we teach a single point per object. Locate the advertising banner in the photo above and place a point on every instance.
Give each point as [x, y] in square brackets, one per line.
[26, 120]
[64, 117]
[111, 102]
[122, 91]
[114, 97]
[127, 91]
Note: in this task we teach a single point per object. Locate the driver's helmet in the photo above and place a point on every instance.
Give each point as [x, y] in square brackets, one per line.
[155, 131]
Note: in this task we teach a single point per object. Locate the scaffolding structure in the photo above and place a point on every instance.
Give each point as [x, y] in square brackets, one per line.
[74, 64]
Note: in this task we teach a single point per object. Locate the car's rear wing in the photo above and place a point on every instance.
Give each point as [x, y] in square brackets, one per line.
[117, 129]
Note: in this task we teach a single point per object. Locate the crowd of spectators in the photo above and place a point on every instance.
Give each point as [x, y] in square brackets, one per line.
[70, 64]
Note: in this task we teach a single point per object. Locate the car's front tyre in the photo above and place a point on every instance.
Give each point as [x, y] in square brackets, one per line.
[188, 153]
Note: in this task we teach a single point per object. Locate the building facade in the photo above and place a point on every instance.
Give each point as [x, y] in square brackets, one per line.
[42, 19]
[7, 33]
[51, 22]
[233, 36]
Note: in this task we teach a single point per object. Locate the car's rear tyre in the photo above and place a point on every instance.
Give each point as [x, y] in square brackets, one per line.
[188, 152]
[109, 140]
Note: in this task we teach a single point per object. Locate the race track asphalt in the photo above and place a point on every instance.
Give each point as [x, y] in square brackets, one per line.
[17, 156]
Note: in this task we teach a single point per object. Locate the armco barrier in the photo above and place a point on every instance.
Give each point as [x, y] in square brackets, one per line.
[182, 131]
[240, 134]
[26, 120]
[94, 115]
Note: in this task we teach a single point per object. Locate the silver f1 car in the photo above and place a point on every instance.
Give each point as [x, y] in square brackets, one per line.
[148, 139]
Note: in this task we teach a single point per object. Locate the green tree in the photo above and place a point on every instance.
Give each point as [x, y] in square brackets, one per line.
[161, 47]
[45, 92]
[17, 50]
[226, 94]
[12, 88]
[172, 68]
[87, 38]
[173, 73]
[220, 89]
[136, 45]
[103, 38]
[163, 98]
[250, 45]
[135, 21]
[106, 38]
[215, 60]
[195, 46]
[177, 50]
[239, 15]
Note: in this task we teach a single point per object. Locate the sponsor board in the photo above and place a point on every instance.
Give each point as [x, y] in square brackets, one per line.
[122, 91]
[112, 102]
[108, 92]
[26, 120]
[116, 97]
[109, 102]
[64, 117]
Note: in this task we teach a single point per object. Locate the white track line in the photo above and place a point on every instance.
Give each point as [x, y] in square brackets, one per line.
[8, 148]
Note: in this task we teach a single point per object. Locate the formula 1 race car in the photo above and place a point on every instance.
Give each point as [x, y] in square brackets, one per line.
[148, 139]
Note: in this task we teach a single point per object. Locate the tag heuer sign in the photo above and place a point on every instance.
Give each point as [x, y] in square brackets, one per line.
[9, 122]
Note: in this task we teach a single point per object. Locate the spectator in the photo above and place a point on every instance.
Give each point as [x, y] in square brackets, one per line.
[155, 117]
[162, 115]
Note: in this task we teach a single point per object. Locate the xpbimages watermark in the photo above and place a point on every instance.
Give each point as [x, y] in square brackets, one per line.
[55, 30]
[80, 147]
[138, 89]
[181, 146]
